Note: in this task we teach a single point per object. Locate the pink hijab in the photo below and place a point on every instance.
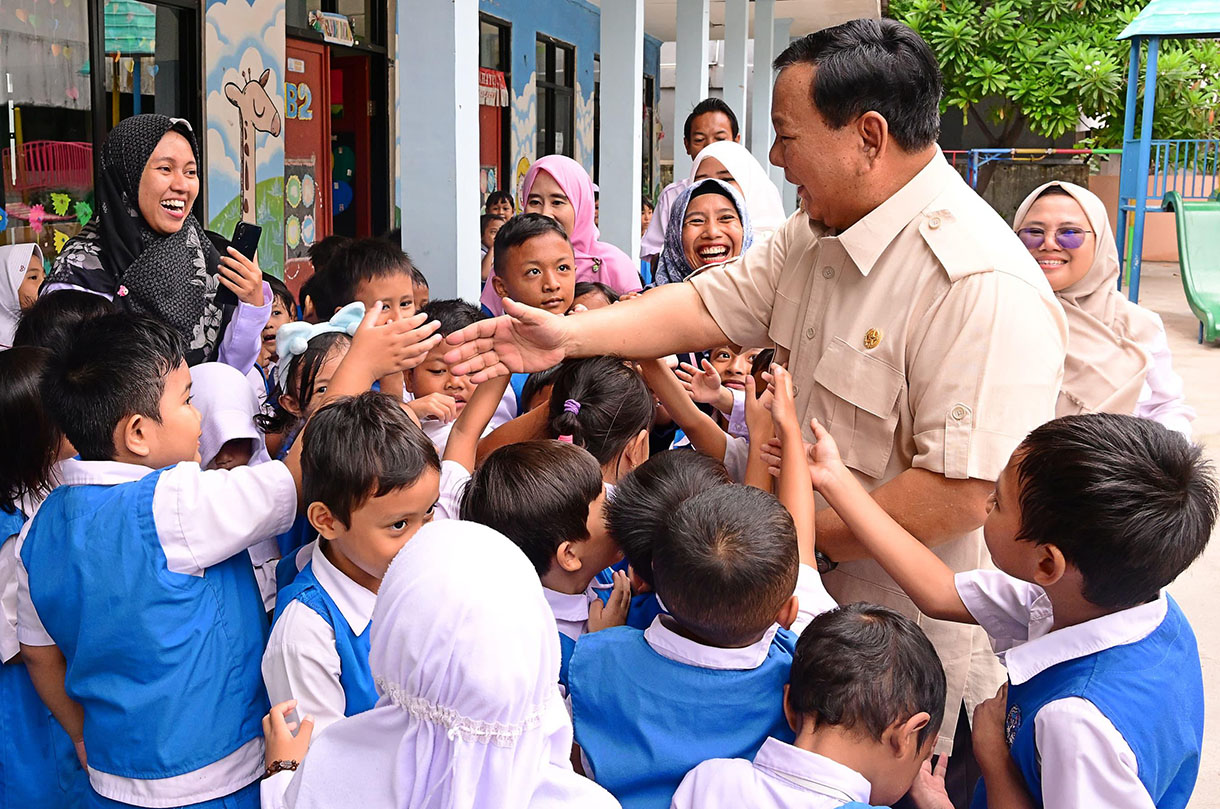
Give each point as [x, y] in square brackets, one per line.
[595, 260]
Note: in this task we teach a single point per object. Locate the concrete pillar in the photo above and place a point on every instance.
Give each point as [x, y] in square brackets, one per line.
[783, 26]
[736, 74]
[761, 83]
[690, 80]
[440, 169]
[622, 99]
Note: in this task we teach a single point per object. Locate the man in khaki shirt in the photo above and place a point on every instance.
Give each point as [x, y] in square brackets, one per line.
[915, 324]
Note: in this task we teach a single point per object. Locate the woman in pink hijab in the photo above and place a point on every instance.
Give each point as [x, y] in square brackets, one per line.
[560, 188]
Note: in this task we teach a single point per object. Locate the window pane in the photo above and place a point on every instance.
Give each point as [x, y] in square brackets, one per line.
[561, 66]
[564, 141]
[544, 101]
[47, 163]
[540, 49]
[489, 45]
[143, 71]
[358, 12]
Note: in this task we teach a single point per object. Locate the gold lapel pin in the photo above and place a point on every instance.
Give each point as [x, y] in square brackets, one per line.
[872, 338]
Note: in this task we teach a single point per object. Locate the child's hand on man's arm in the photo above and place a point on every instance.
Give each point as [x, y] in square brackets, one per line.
[1001, 777]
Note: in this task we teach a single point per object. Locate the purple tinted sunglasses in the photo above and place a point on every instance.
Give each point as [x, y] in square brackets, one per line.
[1067, 238]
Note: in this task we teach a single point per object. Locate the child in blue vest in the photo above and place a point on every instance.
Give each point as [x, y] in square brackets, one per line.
[370, 478]
[144, 625]
[549, 499]
[636, 516]
[38, 764]
[1093, 516]
[865, 700]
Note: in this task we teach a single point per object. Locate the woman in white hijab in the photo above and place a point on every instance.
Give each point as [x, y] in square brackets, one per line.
[23, 274]
[470, 714]
[1118, 358]
[731, 162]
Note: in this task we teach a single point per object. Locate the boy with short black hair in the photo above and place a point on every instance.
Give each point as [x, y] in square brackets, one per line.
[489, 226]
[534, 263]
[375, 272]
[419, 285]
[1092, 517]
[865, 698]
[370, 478]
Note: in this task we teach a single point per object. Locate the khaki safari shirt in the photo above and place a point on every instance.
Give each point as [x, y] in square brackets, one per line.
[922, 336]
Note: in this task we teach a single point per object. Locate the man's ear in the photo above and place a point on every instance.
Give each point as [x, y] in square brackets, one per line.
[902, 737]
[786, 616]
[324, 520]
[131, 435]
[874, 133]
[1050, 566]
[567, 558]
[498, 285]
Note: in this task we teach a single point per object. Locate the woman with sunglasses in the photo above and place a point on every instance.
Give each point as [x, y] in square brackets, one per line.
[1118, 358]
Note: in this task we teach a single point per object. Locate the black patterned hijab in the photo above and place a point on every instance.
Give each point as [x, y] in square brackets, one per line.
[173, 277]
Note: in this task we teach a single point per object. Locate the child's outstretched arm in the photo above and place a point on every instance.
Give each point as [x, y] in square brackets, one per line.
[463, 442]
[758, 424]
[704, 386]
[526, 427]
[703, 433]
[795, 485]
[919, 572]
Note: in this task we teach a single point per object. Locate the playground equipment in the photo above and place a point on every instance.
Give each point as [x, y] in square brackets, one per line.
[1182, 19]
[1199, 257]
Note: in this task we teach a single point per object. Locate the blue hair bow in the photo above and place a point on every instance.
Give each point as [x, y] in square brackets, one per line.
[293, 338]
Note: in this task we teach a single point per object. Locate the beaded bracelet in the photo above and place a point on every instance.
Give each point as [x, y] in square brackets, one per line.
[280, 766]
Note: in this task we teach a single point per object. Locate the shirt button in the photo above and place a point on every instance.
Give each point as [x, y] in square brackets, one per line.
[934, 223]
[810, 333]
[828, 272]
[958, 413]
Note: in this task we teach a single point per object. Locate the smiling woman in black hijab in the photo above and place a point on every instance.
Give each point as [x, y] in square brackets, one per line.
[145, 250]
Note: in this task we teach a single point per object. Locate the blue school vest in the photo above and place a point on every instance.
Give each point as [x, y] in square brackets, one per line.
[38, 764]
[354, 673]
[566, 647]
[1151, 690]
[165, 665]
[301, 533]
[644, 721]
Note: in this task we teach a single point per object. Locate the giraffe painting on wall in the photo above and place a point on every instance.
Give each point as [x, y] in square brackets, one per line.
[257, 113]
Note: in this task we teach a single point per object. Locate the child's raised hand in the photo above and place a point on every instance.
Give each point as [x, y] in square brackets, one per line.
[928, 790]
[392, 345]
[783, 403]
[436, 406]
[703, 385]
[614, 611]
[758, 414]
[823, 455]
[282, 745]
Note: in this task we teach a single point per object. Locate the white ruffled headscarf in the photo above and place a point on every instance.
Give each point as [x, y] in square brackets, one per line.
[763, 199]
[470, 713]
[228, 405]
[14, 262]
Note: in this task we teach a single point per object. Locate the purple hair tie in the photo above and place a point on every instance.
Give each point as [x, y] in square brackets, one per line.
[571, 406]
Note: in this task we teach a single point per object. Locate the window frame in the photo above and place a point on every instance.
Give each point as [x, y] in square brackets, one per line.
[545, 84]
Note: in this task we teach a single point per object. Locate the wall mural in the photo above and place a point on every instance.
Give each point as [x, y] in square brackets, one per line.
[524, 132]
[244, 59]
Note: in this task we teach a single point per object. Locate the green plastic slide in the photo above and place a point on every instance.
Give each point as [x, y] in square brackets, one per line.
[1199, 256]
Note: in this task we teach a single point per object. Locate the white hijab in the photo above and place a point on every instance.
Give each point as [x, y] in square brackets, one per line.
[15, 261]
[763, 199]
[470, 713]
[228, 405]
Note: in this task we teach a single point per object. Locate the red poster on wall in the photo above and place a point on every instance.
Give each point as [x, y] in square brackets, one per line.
[307, 157]
[493, 97]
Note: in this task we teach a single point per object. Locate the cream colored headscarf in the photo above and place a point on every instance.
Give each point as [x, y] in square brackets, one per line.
[1108, 335]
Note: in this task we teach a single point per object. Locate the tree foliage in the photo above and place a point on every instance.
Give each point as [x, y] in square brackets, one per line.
[1047, 65]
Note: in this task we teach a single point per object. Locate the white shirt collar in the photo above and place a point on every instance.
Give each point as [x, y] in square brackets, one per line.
[570, 606]
[75, 472]
[812, 771]
[668, 643]
[354, 601]
[1046, 648]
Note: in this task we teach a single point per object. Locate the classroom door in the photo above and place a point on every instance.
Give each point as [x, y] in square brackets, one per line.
[307, 157]
[352, 146]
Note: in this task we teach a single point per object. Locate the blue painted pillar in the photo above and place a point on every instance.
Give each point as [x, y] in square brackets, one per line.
[1142, 161]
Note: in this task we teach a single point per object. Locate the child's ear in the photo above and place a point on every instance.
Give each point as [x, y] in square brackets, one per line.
[131, 435]
[567, 558]
[638, 585]
[1049, 566]
[902, 737]
[498, 286]
[786, 616]
[794, 719]
[324, 520]
[637, 450]
[289, 403]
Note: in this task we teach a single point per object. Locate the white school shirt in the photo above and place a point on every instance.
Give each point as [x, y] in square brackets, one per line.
[1162, 398]
[1086, 762]
[203, 517]
[571, 610]
[454, 478]
[780, 777]
[736, 457]
[438, 430]
[301, 661]
[737, 416]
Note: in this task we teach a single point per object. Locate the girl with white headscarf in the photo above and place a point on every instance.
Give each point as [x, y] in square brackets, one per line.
[730, 161]
[1118, 358]
[23, 274]
[469, 714]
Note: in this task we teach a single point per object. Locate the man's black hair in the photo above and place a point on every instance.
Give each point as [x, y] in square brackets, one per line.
[1129, 502]
[454, 314]
[112, 367]
[703, 108]
[585, 287]
[644, 499]
[499, 196]
[519, 230]
[364, 260]
[536, 493]
[863, 667]
[614, 405]
[50, 322]
[360, 447]
[727, 563]
[873, 65]
[280, 291]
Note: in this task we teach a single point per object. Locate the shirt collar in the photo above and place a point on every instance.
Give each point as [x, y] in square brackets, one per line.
[354, 601]
[75, 472]
[668, 643]
[1046, 648]
[569, 606]
[868, 238]
[812, 771]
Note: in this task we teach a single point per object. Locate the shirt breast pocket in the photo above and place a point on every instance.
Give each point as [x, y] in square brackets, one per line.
[861, 411]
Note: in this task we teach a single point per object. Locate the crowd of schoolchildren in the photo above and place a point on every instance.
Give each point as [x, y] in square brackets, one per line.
[347, 577]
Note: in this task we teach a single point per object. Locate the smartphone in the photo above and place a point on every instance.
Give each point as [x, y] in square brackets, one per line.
[245, 241]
